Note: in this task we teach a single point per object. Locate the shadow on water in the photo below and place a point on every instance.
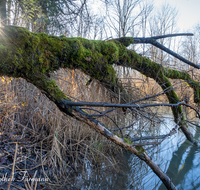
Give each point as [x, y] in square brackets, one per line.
[184, 167]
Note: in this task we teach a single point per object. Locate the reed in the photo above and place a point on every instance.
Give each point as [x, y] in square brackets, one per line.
[58, 145]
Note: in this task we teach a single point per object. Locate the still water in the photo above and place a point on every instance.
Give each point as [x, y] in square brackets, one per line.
[175, 156]
[184, 167]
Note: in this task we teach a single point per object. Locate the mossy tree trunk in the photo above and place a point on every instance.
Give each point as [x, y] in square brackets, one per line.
[32, 56]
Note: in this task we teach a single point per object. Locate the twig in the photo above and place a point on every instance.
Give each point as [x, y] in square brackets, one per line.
[124, 127]
[165, 36]
[32, 183]
[163, 137]
[196, 125]
[13, 167]
[103, 104]
[17, 187]
[103, 114]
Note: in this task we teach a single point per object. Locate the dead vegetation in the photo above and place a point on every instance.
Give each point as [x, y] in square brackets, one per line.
[53, 147]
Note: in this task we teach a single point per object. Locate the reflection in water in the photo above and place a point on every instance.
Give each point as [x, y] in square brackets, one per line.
[175, 156]
[184, 168]
[105, 177]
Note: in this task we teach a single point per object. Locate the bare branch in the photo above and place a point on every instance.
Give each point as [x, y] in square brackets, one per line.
[152, 40]
[162, 137]
[103, 104]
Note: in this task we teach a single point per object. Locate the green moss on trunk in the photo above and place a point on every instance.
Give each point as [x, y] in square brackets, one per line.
[32, 56]
[24, 52]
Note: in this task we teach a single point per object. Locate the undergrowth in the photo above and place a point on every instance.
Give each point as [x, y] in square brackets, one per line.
[51, 146]
[55, 148]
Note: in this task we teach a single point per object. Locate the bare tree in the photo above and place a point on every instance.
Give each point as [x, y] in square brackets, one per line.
[123, 15]
[148, 8]
[191, 46]
[161, 23]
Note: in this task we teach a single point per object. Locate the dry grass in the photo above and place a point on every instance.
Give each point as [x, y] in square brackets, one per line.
[51, 144]
[55, 147]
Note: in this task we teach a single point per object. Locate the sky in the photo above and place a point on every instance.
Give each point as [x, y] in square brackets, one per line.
[188, 12]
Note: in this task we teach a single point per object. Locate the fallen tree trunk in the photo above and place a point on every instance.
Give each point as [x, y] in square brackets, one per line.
[80, 115]
[32, 56]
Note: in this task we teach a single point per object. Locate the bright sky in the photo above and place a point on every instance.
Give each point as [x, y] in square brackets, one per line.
[188, 12]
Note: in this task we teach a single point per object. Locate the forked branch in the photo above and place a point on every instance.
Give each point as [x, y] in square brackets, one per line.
[152, 41]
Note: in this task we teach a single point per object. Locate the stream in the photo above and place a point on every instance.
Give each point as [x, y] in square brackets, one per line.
[175, 156]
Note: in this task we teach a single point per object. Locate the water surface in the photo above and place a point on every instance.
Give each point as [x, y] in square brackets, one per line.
[175, 156]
